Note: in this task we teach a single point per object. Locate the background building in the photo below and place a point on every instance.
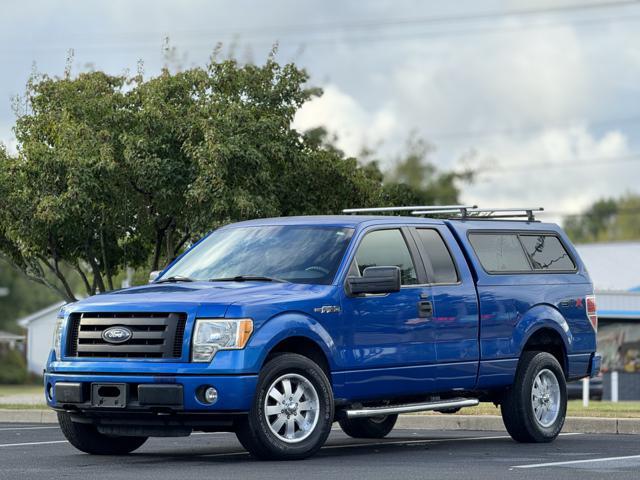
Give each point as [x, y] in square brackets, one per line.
[39, 328]
[614, 271]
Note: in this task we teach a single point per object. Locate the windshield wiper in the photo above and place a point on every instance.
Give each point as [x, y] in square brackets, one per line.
[175, 279]
[248, 278]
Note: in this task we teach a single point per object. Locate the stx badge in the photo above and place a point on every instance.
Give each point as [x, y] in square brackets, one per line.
[327, 309]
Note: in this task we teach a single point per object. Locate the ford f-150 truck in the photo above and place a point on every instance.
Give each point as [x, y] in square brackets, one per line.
[276, 328]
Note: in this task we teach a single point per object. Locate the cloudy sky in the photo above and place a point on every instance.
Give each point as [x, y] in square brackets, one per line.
[542, 96]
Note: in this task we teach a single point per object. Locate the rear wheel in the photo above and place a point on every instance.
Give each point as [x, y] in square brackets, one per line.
[372, 427]
[292, 411]
[534, 410]
[86, 438]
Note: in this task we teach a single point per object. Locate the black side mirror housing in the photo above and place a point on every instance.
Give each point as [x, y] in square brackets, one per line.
[375, 280]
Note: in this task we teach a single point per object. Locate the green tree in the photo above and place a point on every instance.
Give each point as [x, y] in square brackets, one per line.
[415, 179]
[607, 220]
[24, 297]
[116, 171]
[126, 171]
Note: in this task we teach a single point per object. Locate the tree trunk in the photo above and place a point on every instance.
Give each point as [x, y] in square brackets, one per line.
[155, 266]
[105, 262]
[67, 291]
[85, 280]
[95, 269]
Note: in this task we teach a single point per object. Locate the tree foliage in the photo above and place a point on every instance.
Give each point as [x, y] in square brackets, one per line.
[116, 171]
[607, 220]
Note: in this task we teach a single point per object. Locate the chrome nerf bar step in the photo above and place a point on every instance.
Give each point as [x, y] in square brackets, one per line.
[412, 407]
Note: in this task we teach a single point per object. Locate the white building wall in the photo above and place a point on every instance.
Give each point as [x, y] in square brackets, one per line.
[40, 335]
[39, 328]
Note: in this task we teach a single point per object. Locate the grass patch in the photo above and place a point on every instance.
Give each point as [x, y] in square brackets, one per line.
[8, 390]
[574, 409]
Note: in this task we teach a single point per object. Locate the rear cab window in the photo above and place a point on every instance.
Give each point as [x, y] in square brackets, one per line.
[443, 268]
[521, 252]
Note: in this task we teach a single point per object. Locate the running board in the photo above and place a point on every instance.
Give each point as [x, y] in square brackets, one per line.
[412, 407]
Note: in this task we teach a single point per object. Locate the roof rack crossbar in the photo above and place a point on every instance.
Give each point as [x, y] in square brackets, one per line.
[486, 213]
[426, 208]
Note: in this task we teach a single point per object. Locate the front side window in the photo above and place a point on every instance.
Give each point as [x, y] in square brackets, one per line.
[294, 253]
[546, 252]
[500, 252]
[385, 248]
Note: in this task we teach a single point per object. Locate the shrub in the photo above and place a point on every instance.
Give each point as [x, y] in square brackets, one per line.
[13, 368]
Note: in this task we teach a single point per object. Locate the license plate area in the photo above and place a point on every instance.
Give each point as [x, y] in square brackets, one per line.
[109, 395]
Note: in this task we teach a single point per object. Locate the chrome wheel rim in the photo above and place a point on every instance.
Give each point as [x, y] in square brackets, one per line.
[545, 398]
[291, 408]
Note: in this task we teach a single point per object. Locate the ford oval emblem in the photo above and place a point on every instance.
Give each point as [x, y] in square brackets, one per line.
[117, 335]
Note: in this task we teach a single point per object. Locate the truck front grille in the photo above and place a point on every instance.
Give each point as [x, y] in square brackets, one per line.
[153, 335]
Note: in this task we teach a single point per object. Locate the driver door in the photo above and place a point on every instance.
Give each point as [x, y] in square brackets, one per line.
[390, 340]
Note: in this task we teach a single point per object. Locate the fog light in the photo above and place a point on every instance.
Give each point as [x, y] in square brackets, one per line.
[50, 392]
[210, 395]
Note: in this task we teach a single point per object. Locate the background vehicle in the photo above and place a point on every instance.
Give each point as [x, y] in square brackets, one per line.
[596, 389]
[276, 328]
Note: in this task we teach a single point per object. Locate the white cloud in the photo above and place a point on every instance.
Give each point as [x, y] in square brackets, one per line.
[549, 86]
[545, 170]
[343, 116]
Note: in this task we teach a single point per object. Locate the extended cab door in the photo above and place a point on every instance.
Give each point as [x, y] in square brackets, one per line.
[455, 318]
[390, 343]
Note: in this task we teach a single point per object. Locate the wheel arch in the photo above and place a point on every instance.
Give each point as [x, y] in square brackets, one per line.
[302, 346]
[544, 328]
[301, 334]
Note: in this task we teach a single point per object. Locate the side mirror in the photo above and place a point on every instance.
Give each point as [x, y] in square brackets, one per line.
[375, 280]
[153, 275]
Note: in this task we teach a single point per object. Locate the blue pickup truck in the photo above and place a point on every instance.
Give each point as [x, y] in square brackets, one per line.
[276, 328]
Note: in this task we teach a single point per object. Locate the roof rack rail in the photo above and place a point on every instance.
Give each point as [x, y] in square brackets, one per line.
[423, 208]
[485, 213]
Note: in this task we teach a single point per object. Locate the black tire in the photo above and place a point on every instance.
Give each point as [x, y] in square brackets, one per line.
[449, 411]
[86, 438]
[373, 427]
[517, 408]
[254, 432]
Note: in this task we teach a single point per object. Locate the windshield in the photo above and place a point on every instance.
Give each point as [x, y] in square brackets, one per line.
[297, 254]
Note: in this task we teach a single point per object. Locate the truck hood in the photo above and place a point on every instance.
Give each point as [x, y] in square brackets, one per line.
[190, 296]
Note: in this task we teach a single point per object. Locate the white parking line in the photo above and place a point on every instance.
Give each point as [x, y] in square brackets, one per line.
[4, 429]
[576, 462]
[31, 443]
[212, 433]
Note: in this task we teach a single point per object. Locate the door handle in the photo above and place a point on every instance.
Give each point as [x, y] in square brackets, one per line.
[425, 309]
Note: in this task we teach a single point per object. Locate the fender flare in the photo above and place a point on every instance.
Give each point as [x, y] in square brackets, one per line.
[538, 317]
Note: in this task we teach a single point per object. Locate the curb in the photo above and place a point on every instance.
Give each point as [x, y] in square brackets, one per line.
[627, 426]
[624, 426]
[27, 416]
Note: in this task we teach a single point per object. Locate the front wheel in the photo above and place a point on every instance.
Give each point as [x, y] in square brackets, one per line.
[292, 411]
[86, 438]
[534, 409]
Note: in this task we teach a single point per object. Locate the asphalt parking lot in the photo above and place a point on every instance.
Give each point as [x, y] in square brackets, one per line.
[40, 451]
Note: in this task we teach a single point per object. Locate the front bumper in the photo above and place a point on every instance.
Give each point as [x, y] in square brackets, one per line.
[150, 393]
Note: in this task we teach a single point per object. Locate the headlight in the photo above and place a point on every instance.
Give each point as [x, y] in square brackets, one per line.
[211, 335]
[57, 337]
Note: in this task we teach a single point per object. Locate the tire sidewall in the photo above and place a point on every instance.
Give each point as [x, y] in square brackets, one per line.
[291, 363]
[541, 362]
